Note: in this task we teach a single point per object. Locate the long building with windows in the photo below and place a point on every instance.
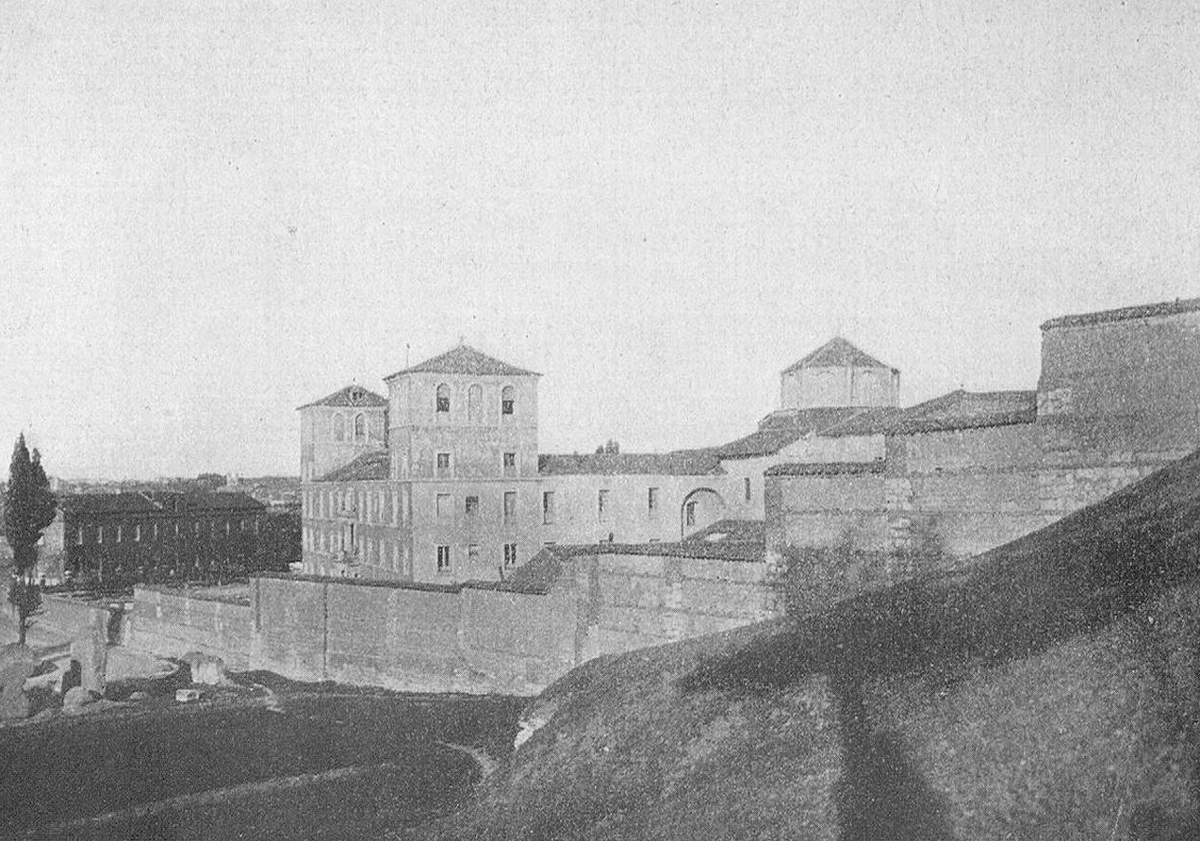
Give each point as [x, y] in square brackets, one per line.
[443, 481]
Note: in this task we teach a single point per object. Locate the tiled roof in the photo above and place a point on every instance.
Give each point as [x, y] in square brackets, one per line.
[967, 410]
[837, 353]
[351, 395]
[365, 468]
[678, 463]
[169, 501]
[779, 429]
[871, 422]
[731, 532]
[464, 359]
[832, 468]
[106, 503]
[1175, 307]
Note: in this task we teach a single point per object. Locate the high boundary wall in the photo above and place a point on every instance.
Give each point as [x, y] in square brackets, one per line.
[481, 638]
[630, 600]
[170, 622]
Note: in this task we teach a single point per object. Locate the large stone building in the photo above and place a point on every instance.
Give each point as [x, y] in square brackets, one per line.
[456, 488]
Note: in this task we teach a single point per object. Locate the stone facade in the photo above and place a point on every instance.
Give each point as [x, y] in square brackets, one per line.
[1118, 398]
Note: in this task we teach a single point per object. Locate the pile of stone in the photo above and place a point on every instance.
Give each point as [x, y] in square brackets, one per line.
[17, 664]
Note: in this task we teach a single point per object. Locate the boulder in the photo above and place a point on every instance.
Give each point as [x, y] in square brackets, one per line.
[76, 699]
[17, 663]
[206, 668]
[90, 650]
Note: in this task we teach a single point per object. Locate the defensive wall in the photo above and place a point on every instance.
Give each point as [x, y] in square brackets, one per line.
[1118, 398]
[515, 637]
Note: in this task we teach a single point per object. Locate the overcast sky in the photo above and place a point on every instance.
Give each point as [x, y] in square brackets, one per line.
[208, 217]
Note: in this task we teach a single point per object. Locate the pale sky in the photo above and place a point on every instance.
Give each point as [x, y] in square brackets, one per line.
[213, 213]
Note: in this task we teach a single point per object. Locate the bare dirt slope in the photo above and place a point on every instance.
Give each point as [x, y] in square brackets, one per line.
[1051, 692]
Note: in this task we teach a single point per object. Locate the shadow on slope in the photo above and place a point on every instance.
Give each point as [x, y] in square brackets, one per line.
[1074, 576]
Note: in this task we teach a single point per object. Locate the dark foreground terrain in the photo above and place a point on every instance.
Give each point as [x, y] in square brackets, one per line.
[1050, 692]
[312, 763]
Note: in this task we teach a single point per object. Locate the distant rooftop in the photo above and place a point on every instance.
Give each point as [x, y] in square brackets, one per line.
[968, 410]
[367, 467]
[1179, 305]
[838, 353]
[464, 359]
[784, 427]
[351, 395]
[678, 463]
[128, 502]
[830, 468]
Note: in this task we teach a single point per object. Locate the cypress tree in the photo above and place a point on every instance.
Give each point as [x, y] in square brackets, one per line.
[29, 507]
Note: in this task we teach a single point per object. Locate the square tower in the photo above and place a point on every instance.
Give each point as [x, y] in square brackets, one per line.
[463, 432]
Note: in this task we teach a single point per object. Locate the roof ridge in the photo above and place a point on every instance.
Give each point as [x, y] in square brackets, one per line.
[446, 361]
[845, 354]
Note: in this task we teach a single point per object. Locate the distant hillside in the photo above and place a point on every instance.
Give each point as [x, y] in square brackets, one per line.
[1053, 692]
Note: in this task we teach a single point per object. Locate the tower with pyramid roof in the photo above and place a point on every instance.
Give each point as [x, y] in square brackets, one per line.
[463, 437]
[838, 374]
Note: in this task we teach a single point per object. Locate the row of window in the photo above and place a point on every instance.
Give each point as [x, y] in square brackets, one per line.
[370, 506]
[359, 548]
[508, 401]
[357, 431]
[444, 506]
[117, 534]
[444, 467]
[445, 557]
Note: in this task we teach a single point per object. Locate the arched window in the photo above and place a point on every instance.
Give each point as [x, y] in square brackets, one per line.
[443, 398]
[475, 403]
[506, 400]
[360, 427]
[339, 428]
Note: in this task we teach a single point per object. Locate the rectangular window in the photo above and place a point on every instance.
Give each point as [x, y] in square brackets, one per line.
[510, 507]
[652, 501]
[510, 554]
[747, 488]
[137, 533]
[99, 534]
[602, 505]
[689, 514]
[79, 536]
[472, 553]
[548, 507]
[510, 464]
[472, 506]
[444, 505]
[119, 534]
[443, 464]
[443, 559]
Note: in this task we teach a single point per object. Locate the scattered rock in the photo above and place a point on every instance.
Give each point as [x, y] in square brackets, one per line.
[206, 668]
[138, 696]
[17, 663]
[533, 721]
[187, 696]
[76, 699]
[91, 652]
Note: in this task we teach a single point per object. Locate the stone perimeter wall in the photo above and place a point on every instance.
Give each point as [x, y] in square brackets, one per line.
[464, 639]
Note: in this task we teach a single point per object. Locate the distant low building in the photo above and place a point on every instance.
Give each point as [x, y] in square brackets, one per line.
[118, 539]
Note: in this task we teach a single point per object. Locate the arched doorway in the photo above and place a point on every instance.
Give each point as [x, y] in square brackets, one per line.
[701, 507]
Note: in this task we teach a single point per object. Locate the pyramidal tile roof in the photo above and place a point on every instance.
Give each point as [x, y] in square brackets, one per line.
[464, 359]
[351, 395]
[837, 353]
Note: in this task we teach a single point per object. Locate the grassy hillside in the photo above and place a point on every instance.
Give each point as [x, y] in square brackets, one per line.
[1051, 692]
